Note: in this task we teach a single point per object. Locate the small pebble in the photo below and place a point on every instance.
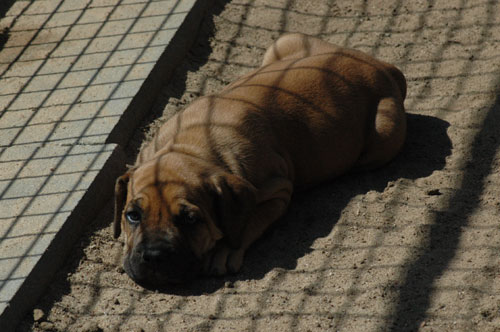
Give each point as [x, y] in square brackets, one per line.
[38, 315]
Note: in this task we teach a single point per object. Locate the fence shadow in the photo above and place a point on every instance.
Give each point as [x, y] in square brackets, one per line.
[315, 213]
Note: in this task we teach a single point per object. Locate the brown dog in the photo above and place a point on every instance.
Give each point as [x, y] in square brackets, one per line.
[218, 174]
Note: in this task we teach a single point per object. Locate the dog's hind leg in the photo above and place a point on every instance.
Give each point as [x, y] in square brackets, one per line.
[385, 135]
[296, 46]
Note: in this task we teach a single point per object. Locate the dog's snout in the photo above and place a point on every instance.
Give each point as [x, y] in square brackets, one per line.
[155, 262]
[155, 254]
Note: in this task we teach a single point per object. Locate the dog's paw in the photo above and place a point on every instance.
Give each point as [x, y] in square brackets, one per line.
[223, 260]
[235, 260]
[218, 264]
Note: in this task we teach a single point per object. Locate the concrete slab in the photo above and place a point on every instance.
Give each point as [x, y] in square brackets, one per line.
[43, 209]
[76, 76]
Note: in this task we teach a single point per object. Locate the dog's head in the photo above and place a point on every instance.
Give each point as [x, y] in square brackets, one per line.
[172, 212]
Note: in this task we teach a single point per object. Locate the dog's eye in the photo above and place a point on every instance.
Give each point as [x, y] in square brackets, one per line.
[133, 217]
[187, 217]
[191, 218]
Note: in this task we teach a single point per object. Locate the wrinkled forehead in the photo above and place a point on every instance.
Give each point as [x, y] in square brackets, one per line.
[156, 183]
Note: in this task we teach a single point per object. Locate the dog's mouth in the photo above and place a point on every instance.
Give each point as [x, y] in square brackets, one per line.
[159, 264]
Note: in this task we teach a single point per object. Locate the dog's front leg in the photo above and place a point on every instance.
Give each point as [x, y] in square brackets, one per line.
[225, 259]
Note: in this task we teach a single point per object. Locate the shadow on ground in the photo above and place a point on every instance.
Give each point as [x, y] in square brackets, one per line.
[444, 236]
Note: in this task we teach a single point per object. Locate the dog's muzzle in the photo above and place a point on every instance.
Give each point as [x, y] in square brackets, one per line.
[155, 263]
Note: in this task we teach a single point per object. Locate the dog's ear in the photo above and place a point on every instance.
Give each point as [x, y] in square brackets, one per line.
[120, 198]
[234, 201]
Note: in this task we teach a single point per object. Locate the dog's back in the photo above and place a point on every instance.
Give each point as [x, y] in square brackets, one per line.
[318, 113]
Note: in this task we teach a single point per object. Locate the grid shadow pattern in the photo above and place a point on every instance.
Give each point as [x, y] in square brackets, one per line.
[412, 246]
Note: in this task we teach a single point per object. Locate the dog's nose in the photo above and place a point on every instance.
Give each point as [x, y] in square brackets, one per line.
[156, 262]
[152, 256]
[157, 253]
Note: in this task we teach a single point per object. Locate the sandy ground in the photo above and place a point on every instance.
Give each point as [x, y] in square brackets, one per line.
[412, 246]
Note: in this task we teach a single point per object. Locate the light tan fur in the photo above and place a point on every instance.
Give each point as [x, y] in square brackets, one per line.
[311, 112]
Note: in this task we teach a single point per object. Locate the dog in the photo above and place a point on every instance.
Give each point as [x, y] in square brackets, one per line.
[219, 173]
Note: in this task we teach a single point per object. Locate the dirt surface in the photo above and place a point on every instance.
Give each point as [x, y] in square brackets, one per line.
[412, 246]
